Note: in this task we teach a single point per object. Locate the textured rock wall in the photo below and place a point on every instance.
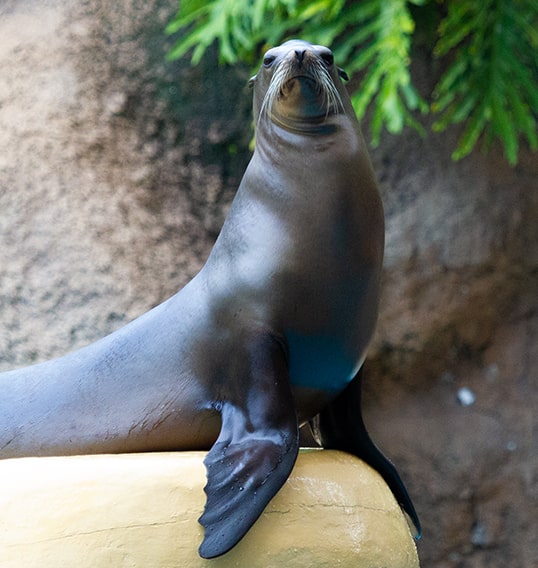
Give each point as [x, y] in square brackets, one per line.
[103, 213]
[459, 312]
[116, 170]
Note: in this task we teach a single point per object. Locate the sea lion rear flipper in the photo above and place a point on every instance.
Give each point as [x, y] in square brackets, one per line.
[255, 451]
[340, 426]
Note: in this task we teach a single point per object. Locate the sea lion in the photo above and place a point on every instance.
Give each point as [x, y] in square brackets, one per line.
[271, 333]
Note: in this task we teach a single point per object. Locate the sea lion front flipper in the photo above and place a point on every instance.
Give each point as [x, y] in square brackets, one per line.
[340, 426]
[255, 451]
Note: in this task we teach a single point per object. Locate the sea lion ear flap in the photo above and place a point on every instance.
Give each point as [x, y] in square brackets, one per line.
[251, 81]
[343, 74]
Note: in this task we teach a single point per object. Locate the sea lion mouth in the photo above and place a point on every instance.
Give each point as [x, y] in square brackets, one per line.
[306, 90]
[311, 81]
[302, 90]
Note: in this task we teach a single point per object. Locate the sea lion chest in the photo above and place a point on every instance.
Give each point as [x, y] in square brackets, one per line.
[300, 253]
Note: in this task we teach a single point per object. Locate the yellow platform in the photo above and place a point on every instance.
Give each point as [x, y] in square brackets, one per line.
[141, 511]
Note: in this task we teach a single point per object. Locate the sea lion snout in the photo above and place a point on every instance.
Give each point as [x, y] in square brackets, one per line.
[307, 60]
[298, 62]
[300, 55]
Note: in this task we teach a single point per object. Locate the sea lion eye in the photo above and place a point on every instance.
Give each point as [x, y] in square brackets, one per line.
[268, 60]
[328, 58]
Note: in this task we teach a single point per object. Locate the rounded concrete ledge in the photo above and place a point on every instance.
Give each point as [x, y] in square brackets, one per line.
[141, 510]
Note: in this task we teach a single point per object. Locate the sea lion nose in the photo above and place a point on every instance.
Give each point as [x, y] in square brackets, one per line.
[300, 55]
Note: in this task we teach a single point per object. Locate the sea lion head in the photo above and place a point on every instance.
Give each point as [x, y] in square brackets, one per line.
[298, 86]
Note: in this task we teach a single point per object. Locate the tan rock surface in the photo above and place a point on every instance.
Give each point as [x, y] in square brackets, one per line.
[141, 510]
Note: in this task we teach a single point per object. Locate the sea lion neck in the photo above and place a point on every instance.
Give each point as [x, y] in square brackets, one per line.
[317, 126]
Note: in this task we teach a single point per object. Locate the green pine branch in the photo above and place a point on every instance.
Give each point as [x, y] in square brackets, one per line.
[384, 46]
[491, 84]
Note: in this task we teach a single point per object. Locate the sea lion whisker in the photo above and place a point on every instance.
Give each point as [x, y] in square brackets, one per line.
[332, 96]
[281, 75]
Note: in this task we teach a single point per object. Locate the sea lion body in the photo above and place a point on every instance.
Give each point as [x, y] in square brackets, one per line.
[272, 330]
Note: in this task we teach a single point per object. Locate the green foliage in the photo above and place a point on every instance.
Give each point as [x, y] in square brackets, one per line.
[489, 48]
[382, 51]
[491, 83]
[237, 26]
